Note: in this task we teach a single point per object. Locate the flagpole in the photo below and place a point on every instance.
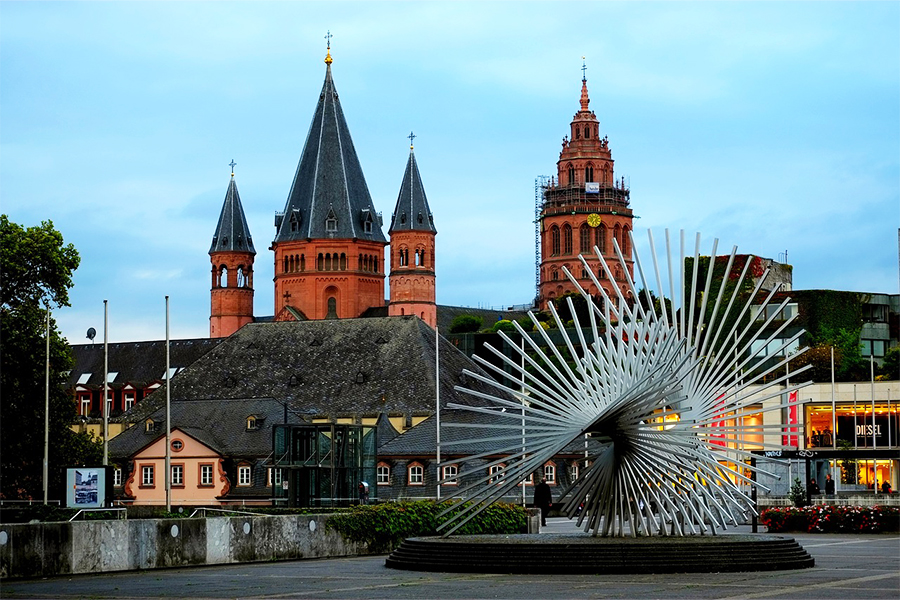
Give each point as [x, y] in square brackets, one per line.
[437, 401]
[105, 383]
[168, 418]
[47, 411]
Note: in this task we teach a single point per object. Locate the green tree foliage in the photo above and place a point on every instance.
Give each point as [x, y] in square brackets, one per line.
[890, 368]
[503, 325]
[36, 268]
[466, 324]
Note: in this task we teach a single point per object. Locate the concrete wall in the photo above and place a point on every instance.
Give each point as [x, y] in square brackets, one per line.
[47, 549]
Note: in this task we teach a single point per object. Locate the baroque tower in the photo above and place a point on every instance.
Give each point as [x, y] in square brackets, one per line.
[412, 232]
[231, 255]
[583, 206]
[329, 247]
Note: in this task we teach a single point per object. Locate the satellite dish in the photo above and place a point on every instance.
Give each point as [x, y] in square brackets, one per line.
[91, 333]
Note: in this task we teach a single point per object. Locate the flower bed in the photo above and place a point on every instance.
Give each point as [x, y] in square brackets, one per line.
[833, 519]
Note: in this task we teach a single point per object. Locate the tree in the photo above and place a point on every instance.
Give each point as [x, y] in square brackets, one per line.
[36, 269]
[466, 324]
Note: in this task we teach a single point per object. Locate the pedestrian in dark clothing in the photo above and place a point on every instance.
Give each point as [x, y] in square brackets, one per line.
[543, 499]
[814, 487]
[829, 485]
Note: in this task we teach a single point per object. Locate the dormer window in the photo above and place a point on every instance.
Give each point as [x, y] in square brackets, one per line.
[402, 218]
[331, 224]
[421, 218]
[295, 220]
[252, 423]
[149, 425]
[360, 377]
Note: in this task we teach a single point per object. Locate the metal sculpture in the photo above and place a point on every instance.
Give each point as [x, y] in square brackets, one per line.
[662, 388]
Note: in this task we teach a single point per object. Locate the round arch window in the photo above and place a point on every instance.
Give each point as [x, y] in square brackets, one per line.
[177, 445]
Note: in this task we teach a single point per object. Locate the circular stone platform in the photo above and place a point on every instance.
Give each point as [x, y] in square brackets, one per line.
[582, 553]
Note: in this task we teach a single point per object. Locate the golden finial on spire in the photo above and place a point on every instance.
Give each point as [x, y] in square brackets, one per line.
[232, 164]
[411, 137]
[328, 59]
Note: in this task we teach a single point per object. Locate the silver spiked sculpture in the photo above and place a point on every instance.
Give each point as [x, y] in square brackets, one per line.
[662, 388]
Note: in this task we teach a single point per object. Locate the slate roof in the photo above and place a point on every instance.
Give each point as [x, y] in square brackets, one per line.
[140, 363]
[423, 438]
[329, 181]
[332, 368]
[412, 212]
[232, 232]
[230, 436]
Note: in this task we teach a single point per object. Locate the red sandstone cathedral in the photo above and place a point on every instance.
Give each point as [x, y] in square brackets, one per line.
[330, 249]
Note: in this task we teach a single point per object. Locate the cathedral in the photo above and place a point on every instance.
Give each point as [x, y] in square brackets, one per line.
[329, 246]
[330, 249]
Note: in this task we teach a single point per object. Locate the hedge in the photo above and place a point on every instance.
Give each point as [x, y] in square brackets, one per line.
[384, 526]
[833, 519]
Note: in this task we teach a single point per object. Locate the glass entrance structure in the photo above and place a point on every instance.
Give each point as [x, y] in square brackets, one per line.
[324, 465]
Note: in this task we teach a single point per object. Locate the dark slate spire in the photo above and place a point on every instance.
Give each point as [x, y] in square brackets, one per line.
[232, 233]
[412, 212]
[329, 197]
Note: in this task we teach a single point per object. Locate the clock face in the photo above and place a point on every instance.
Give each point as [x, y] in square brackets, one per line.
[593, 219]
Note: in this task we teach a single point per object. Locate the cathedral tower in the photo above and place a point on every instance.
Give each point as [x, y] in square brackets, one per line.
[329, 247]
[231, 255]
[583, 206]
[412, 249]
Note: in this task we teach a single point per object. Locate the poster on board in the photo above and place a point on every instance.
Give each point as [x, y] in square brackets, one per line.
[85, 487]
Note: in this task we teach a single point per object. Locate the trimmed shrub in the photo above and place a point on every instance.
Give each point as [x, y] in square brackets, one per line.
[825, 518]
[384, 526]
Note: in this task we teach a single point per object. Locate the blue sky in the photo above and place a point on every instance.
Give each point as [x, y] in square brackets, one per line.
[771, 126]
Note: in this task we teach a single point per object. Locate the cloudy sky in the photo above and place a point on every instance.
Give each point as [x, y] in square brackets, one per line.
[771, 126]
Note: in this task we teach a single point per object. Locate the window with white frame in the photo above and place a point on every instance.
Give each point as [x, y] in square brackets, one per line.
[550, 473]
[416, 474]
[383, 474]
[129, 400]
[85, 405]
[244, 474]
[117, 476]
[574, 471]
[178, 475]
[449, 474]
[529, 480]
[109, 401]
[496, 473]
[147, 475]
[206, 474]
[275, 476]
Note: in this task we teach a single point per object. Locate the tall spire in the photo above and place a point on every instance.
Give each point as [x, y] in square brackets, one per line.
[329, 179]
[328, 59]
[584, 91]
[232, 233]
[412, 212]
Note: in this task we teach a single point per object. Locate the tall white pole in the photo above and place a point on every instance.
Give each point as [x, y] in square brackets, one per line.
[168, 418]
[437, 401]
[874, 430]
[523, 416]
[105, 405]
[833, 416]
[47, 412]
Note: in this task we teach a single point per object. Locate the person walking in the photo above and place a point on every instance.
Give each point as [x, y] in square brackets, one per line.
[543, 499]
[829, 485]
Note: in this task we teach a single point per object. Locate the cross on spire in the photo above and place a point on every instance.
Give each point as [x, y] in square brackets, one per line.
[328, 37]
[411, 137]
[232, 164]
[583, 70]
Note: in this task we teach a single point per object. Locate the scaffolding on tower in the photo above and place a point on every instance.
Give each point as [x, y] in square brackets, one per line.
[540, 183]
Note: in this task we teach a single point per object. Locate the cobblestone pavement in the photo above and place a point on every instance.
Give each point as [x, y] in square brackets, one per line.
[847, 567]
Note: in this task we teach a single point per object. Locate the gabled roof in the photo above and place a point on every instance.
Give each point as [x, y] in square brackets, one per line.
[329, 178]
[331, 368]
[232, 232]
[229, 437]
[138, 363]
[412, 212]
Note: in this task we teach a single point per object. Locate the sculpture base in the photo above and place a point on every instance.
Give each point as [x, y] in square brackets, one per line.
[582, 553]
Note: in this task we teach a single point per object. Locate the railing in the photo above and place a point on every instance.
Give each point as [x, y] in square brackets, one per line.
[121, 513]
[223, 510]
[28, 502]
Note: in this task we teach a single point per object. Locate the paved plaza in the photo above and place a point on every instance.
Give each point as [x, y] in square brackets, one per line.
[847, 567]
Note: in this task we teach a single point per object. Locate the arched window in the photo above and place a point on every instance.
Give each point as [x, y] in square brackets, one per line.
[587, 131]
[571, 175]
[383, 474]
[332, 308]
[550, 473]
[241, 277]
[343, 262]
[290, 264]
[555, 275]
[361, 265]
[285, 269]
[617, 235]
[302, 262]
[223, 276]
[567, 239]
[584, 274]
[400, 258]
[320, 262]
[589, 173]
[554, 241]
[577, 133]
[625, 241]
[600, 238]
[584, 238]
[496, 473]
[415, 474]
[449, 474]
